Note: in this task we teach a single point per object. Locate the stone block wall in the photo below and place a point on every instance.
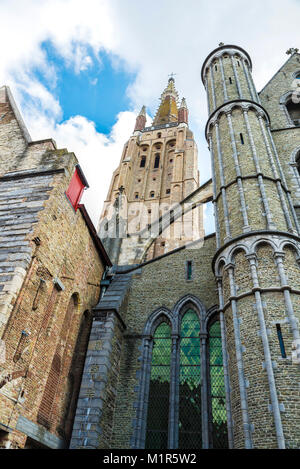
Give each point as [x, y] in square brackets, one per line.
[50, 271]
[160, 284]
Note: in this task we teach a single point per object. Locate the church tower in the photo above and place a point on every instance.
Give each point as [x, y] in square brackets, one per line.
[257, 260]
[157, 171]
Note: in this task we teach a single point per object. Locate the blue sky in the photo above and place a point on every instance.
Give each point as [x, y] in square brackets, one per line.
[80, 71]
[98, 92]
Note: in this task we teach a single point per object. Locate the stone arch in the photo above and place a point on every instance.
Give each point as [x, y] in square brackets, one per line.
[263, 241]
[171, 143]
[156, 318]
[242, 271]
[183, 304]
[295, 154]
[235, 250]
[284, 102]
[267, 271]
[284, 98]
[189, 298]
[75, 372]
[243, 105]
[291, 263]
[211, 314]
[220, 265]
[288, 243]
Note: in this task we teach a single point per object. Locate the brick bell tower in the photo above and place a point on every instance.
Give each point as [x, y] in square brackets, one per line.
[158, 169]
[257, 260]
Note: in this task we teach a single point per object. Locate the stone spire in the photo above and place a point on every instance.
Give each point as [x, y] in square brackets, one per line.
[167, 111]
[183, 112]
[140, 120]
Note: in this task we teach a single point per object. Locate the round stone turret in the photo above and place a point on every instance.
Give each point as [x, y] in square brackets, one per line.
[250, 193]
[257, 236]
[226, 75]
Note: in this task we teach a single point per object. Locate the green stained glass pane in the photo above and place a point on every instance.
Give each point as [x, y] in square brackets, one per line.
[190, 431]
[158, 407]
[218, 420]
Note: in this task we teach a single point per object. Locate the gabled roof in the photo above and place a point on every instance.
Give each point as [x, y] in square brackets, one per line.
[278, 71]
[7, 97]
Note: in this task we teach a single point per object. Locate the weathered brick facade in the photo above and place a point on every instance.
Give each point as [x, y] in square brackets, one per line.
[50, 271]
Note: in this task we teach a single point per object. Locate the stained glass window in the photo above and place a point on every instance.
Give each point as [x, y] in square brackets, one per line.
[158, 407]
[218, 417]
[184, 430]
[190, 431]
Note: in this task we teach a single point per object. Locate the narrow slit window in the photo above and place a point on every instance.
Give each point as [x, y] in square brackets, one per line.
[156, 162]
[189, 270]
[280, 339]
[143, 162]
[230, 81]
[242, 139]
[216, 68]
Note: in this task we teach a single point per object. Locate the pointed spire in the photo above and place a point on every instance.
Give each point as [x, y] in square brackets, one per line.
[183, 112]
[183, 103]
[140, 120]
[143, 111]
[167, 111]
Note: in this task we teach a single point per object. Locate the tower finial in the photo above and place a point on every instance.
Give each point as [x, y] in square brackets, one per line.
[140, 120]
[143, 111]
[292, 50]
[183, 112]
[171, 76]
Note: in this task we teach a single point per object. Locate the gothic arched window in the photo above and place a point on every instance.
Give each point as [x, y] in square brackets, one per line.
[293, 109]
[217, 417]
[156, 162]
[190, 428]
[159, 389]
[181, 403]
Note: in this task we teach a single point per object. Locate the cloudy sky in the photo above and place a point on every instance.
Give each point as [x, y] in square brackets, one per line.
[81, 70]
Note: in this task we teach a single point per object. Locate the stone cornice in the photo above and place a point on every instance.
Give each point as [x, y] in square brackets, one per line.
[30, 174]
[226, 49]
[252, 292]
[250, 234]
[244, 104]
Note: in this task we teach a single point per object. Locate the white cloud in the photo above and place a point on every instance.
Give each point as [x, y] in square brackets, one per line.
[150, 38]
[98, 154]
